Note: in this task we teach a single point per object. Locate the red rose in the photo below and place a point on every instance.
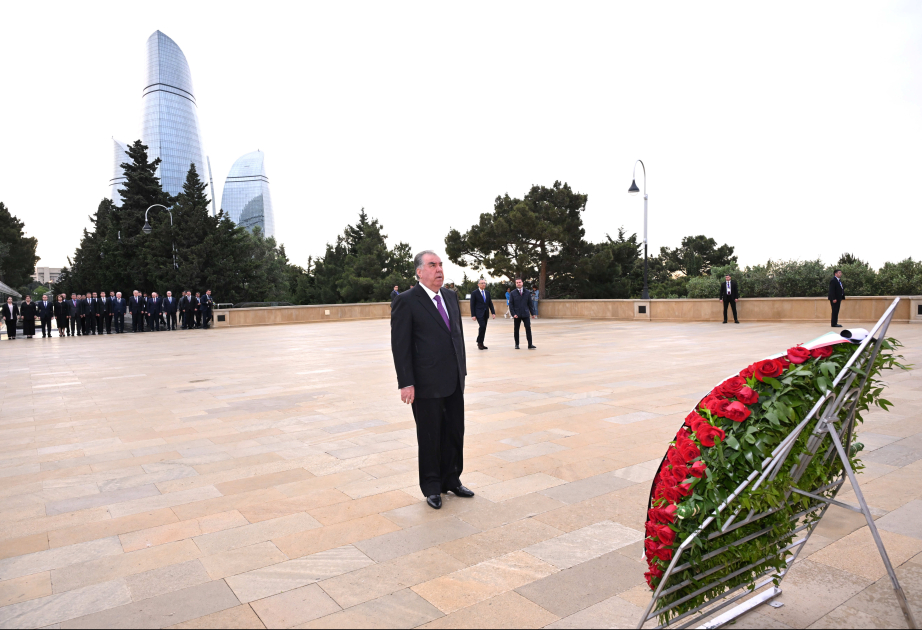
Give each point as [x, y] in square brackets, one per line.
[748, 372]
[717, 406]
[663, 515]
[689, 449]
[785, 363]
[732, 386]
[680, 473]
[655, 550]
[654, 573]
[650, 529]
[698, 468]
[693, 420]
[682, 434]
[707, 434]
[685, 490]
[664, 533]
[675, 457]
[748, 396]
[798, 355]
[821, 353]
[670, 494]
[769, 368]
[737, 411]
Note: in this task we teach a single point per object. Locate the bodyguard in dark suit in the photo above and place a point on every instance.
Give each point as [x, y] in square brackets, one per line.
[119, 308]
[427, 341]
[73, 316]
[395, 292]
[10, 316]
[836, 295]
[206, 304]
[729, 293]
[520, 307]
[45, 313]
[136, 308]
[481, 309]
[153, 311]
[191, 311]
[169, 310]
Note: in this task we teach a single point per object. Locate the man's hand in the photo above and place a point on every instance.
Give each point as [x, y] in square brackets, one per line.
[408, 395]
[474, 318]
[834, 301]
[515, 317]
[494, 315]
[736, 300]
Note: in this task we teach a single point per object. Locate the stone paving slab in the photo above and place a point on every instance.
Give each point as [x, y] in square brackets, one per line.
[285, 494]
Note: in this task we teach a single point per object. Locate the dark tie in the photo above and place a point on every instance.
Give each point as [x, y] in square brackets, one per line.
[438, 303]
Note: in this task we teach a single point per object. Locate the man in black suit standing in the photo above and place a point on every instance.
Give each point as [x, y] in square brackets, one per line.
[836, 295]
[729, 293]
[395, 292]
[73, 316]
[118, 311]
[136, 308]
[86, 312]
[205, 305]
[153, 311]
[10, 316]
[427, 341]
[45, 313]
[169, 311]
[520, 307]
[99, 301]
[481, 309]
[192, 311]
[109, 312]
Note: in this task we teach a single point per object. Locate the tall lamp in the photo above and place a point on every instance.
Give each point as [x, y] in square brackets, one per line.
[633, 190]
[147, 228]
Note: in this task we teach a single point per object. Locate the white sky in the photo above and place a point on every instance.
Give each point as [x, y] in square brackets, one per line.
[787, 129]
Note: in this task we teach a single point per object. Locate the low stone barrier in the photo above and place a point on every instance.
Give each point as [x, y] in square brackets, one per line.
[854, 310]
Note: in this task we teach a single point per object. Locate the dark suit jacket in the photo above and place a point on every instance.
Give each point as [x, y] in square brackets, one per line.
[60, 309]
[734, 290]
[104, 306]
[169, 305]
[478, 306]
[193, 304]
[427, 354]
[84, 307]
[136, 305]
[73, 307]
[394, 294]
[836, 290]
[119, 306]
[153, 307]
[6, 312]
[205, 303]
[45, 311]
[520, 304]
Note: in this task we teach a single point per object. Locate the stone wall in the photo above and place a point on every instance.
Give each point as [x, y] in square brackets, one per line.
[854, 310]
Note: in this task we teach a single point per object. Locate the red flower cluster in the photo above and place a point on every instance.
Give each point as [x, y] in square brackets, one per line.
[821, 353]
[798, 355]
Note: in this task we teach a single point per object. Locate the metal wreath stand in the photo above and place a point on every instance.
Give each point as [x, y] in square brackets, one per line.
[842, 393]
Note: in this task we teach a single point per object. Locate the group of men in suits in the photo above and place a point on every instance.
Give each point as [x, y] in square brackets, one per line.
[95, 313]
[520, 306]
[730, 294]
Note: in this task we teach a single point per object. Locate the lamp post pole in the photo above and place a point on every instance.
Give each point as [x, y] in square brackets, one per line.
[147, 229]
[633, 190]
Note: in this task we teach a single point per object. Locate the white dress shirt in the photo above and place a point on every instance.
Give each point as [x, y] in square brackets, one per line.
[432, 295]
[728, 288]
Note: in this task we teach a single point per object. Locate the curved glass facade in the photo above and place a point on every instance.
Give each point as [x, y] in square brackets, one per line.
[169, 124]
[118, 174]
[246, 199]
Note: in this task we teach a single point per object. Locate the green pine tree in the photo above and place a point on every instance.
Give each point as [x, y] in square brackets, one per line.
[17, 251]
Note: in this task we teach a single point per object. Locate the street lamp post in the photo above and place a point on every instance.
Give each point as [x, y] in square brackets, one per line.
[147, 229]
[633, 190]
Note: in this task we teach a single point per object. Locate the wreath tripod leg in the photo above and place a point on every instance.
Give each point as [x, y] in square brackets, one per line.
[900, 595]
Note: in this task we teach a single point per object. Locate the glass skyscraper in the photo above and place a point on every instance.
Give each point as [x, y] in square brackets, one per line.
[246, 199]
[170, 126]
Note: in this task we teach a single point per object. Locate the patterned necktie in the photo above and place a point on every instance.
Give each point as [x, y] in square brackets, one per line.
[438, 302]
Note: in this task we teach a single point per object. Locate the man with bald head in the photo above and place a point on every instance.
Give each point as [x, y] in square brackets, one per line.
[427, 341]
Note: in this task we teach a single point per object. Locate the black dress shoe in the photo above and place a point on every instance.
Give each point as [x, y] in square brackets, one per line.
[838, 326]
[434, 501]
[532, 347]
[461, 491]
[516, 347]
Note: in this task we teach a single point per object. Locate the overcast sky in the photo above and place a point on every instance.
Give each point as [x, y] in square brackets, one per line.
[786, 129]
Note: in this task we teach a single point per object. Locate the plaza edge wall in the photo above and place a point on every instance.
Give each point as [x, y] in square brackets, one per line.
[854, 310]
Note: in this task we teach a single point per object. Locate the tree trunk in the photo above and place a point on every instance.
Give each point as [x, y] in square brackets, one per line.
[542, 278]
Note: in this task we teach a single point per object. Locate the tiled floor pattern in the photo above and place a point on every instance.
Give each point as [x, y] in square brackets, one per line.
[266, 477]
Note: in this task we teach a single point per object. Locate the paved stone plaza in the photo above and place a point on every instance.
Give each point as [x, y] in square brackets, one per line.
[256, 477]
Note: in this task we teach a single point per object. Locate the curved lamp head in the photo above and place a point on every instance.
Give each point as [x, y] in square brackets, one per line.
[633, 190]
[146, 227]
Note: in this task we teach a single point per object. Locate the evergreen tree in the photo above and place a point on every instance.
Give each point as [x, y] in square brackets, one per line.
[17, 251]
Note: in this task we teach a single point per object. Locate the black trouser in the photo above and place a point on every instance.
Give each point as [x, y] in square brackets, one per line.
[206, 317]
[100, 322]
[119, 322]
[108, 323]
[71, 326]
[835, 311]
[527, 322]
[190, 319]
[731, 304]
[46, 323]
[10, 328]
[198, 319]
[85, 324]
[482, 333]
[62, 326]
[137, 322]
[440, 436]
[154, 322]
[171, 321]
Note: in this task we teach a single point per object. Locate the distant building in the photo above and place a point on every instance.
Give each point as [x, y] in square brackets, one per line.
[118, 173]
[246, 198]
[46, 275]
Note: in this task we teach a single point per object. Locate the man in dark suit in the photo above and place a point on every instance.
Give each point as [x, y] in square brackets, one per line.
[206, 304]
[10, 316]
[395, 292]
[45, 313]
[169, 310]
[119, 307]
[427, 341]
[836, 295]
[153, 311]
[136, 308]
[729, 293]
[73, 316]
[481, 309]
[520, 307]
[109, 312]
[100, 320]
[86, 312]
[191, 311]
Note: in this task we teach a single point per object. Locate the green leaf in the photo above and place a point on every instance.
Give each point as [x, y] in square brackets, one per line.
[732, 442]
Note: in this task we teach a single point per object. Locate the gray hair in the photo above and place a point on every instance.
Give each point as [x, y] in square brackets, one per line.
[418, 259]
